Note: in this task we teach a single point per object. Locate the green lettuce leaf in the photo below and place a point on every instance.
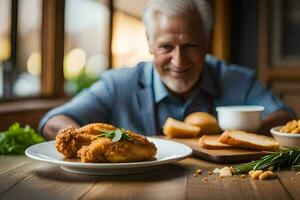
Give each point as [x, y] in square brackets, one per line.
[16, 139]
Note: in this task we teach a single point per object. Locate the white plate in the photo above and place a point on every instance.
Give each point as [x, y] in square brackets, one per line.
[167, 152]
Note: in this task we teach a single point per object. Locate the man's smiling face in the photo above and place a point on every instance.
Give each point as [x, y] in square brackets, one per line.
[179, 47]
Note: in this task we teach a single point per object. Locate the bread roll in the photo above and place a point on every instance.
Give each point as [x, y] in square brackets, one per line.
[174, 128]
[207, 122]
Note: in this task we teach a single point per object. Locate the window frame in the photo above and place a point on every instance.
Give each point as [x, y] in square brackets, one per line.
[53, 31]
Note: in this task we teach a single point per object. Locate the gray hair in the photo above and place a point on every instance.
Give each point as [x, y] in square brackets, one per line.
[178, 7]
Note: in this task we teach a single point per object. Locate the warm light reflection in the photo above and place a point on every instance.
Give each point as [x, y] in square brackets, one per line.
[74, 62]
[95, 65]
[34, 63]
[129, 45]
[4, 49]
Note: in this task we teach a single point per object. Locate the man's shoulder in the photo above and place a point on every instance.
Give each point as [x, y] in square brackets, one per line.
[230, 78]
[223, 69]
[127, 73]
[124, 79]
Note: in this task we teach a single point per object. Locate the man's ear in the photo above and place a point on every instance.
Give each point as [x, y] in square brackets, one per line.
[150, 43]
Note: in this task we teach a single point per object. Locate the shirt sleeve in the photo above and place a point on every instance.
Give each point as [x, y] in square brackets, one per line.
[260, 95]
[91, 105]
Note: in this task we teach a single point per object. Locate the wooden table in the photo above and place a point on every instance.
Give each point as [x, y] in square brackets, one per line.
[23, 178]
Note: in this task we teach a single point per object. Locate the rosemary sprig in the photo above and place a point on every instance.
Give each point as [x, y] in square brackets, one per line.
[114, 135]
[283, 158]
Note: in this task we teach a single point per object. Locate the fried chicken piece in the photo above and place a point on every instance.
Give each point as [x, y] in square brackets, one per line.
[138, 148]
[70, 140]
[84, 143]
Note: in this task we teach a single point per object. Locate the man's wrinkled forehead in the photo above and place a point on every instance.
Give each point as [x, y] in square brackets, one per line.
[185, 27]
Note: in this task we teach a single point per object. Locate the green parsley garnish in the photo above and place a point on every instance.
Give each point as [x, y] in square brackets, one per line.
[114, 135]
[16, 139]
[284, 158]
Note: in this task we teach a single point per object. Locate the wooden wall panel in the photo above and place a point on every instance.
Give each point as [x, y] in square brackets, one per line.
[221, 36]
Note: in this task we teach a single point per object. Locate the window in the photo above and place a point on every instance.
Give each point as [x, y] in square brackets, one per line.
[129, 43]
[43, 56]
[27, 80]
[5, 40]
[99, 36]
[87, 43]
[20, 40]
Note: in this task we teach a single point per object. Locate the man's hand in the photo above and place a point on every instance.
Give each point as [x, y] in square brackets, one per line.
[54, 124]
[277, 118]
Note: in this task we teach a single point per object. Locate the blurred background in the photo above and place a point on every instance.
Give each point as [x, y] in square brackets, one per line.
[52, 49]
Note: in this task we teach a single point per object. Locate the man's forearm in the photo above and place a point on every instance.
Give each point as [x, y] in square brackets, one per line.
[54, 124]
[277, 118]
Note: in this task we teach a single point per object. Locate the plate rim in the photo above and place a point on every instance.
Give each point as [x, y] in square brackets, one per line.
[110, 165]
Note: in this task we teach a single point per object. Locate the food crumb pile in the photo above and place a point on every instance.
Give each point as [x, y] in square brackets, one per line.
[229, 171]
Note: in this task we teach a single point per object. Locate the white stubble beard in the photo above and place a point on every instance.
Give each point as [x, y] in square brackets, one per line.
[178, 86]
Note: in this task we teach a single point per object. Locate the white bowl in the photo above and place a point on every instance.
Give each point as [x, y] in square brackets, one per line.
[285, 139]
[245, 118]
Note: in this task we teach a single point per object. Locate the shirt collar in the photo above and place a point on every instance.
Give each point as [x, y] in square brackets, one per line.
[160, 91]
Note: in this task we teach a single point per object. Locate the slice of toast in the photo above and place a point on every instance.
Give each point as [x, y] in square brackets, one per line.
[246, 140]
[212, 142]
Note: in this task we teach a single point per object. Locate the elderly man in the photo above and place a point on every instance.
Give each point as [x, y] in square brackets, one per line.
[182, 79]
